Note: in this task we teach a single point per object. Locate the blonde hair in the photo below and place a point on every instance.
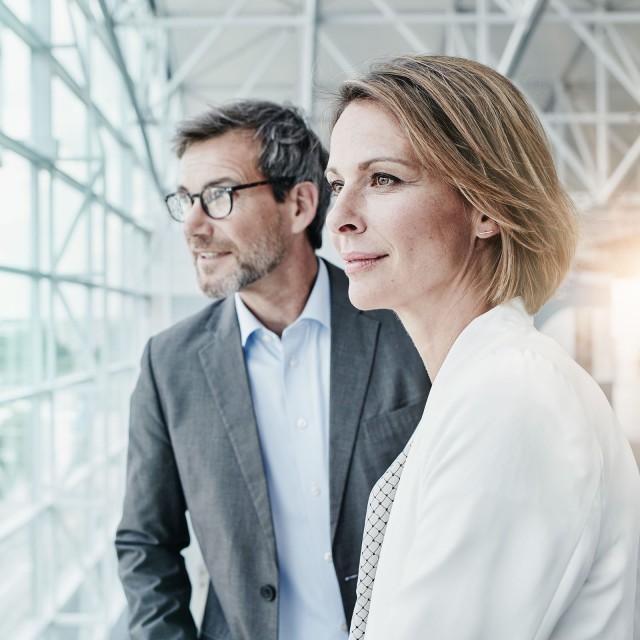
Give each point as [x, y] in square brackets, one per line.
[474, 128]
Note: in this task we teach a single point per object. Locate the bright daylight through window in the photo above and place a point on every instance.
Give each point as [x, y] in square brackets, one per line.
[74, 308]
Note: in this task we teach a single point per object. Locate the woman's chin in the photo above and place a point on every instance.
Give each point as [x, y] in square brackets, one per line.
[365, 299]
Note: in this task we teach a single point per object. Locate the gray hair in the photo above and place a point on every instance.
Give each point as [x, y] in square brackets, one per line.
[289, 147]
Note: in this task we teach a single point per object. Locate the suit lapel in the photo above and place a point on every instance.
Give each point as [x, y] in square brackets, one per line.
[353, 344]
[223, 363]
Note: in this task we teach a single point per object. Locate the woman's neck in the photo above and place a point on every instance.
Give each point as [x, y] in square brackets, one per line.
[435, 329]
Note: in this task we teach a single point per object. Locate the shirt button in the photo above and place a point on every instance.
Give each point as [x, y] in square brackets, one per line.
[268, 592]
[343, 627]
[294, 362]
[315, 489]
[266, 337]
[328, 557]
[301, 423]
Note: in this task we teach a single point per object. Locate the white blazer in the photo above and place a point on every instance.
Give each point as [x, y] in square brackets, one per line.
[517, 515]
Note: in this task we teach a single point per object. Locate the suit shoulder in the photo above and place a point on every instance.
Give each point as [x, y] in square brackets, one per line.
[184, 334]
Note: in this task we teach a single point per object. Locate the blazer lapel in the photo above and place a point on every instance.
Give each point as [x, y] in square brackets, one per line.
[353, 344]
[230, 389]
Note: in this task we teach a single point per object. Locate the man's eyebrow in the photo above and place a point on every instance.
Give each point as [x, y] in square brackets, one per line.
[212, 183]
[367, 163]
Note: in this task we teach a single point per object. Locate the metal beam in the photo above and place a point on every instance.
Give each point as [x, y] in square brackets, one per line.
[623, 168]
[264, 64]
[520, 35]
[308, 45]
[432, 18]
[119, 60]
[596, 47]
[406, 32]
[200, 51]
[334, 52]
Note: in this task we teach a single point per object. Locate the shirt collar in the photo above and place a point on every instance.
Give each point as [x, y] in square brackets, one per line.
[318, 307]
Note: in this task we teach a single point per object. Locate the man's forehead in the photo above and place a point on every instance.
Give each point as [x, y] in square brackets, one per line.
[233, 155]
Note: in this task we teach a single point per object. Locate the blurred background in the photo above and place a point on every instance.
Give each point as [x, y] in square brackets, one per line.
[91, 264]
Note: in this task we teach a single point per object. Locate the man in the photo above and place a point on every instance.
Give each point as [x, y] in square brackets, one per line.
[270, 414]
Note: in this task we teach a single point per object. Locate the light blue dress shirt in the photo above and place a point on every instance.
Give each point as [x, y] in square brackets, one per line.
[289, 382]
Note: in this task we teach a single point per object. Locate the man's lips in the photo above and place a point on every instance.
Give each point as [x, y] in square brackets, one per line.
[206, 256]
[357, 261]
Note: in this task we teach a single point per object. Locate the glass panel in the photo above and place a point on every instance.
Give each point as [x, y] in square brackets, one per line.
[116, 328]
[114, 250]
[74, 258]
[15, 77]
[72, 330]
[113, 158]
[71, 429]
[17, 587]
[21, 8]
[16, 225]
[131, 255]
[107, 94]
[42, 215]
[69, 129]
[140, 195]
[119, 389]
[97, 244]
[66, 204]
[16, 326]
[63, 38]
[16, 455]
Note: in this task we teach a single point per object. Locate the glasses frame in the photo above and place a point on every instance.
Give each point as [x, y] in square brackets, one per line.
[229, 190]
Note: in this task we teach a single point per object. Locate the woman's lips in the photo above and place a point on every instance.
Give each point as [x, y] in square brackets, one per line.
[354, 262]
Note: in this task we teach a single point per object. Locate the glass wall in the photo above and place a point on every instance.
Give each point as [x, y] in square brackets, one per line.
[74, 308]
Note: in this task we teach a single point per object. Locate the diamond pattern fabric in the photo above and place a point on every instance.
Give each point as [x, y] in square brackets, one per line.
[378, 511]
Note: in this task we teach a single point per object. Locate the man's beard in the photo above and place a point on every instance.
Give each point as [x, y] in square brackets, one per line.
[255, 263]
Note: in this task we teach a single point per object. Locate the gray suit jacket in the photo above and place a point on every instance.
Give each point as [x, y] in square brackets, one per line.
[194, 445]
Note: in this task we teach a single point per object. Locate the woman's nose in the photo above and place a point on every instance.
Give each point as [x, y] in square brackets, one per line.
[344, 217]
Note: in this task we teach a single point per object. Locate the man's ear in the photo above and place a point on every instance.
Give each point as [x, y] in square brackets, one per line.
[304, 197]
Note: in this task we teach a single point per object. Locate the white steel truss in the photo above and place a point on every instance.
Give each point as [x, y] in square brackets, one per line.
[577, 60]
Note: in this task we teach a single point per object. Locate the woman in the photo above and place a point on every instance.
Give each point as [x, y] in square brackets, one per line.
[517, 512]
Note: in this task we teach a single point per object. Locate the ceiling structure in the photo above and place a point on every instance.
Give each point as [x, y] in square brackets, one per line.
[578, 61]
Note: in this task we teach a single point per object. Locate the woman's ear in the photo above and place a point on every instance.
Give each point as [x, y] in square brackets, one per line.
[304, 196]
[486, 227]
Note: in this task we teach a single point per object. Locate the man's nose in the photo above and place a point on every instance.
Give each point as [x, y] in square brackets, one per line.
[196, 221]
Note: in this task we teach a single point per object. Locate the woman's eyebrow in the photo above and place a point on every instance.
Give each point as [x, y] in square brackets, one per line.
[367, 163]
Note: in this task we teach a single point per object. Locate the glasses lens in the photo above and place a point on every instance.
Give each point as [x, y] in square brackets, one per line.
[217, 201]
[179, 204]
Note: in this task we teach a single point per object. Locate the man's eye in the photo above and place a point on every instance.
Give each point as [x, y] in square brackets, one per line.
[336, 187]
[211, 194]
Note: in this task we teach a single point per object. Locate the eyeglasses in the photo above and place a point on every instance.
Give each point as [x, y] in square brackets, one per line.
[217, 202]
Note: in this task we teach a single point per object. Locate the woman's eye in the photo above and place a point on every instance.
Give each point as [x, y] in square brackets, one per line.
[382, 180]
[336, 187]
